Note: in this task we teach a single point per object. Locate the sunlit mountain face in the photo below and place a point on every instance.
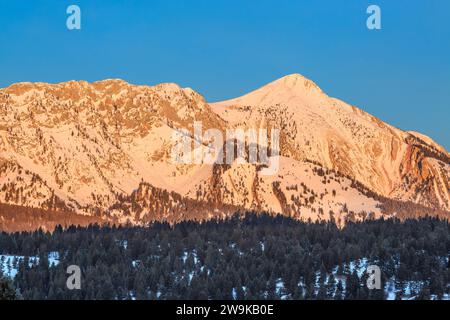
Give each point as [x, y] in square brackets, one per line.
[104, 151]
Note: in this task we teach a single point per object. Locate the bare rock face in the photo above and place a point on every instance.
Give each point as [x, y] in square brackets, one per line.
[104, 149]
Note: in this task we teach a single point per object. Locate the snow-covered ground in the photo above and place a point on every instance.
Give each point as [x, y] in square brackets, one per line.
[9, 264]
[410, 288]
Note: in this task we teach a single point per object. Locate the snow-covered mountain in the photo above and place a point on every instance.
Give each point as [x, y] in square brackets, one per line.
[402, 165]
[105, 149]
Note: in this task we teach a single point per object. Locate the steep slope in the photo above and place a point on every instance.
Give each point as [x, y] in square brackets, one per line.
[106, 149]
[391, 162]
[91, 142]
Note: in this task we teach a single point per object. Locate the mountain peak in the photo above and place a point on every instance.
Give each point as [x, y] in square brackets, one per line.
[292, 78]
[87, 147]
[283, 90]
[296, 81]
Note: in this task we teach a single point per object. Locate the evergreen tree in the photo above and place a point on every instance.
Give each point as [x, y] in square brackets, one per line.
[7, 291]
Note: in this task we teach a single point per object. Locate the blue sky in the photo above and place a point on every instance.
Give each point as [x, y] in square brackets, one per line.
[223, 49]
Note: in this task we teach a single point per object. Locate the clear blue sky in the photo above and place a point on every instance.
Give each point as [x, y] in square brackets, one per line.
[224, 48]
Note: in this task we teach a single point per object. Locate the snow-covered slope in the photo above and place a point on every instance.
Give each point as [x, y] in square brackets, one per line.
[90, 142]
[391, 162]
[103, 147]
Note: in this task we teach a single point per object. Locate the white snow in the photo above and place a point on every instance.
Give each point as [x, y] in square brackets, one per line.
[9, 264]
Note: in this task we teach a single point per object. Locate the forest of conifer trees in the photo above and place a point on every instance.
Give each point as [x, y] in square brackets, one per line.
[251, 257]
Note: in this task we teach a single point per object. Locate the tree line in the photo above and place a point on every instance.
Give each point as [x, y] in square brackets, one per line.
[251, 256]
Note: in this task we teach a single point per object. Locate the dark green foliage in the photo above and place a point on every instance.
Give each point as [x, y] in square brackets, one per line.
[243, 258]
[7, 291]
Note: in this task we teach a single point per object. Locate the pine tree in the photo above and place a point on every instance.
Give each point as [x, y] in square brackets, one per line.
[339, 291]
[7, 291]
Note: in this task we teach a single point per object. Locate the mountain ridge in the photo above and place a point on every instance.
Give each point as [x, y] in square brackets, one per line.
[94, 144]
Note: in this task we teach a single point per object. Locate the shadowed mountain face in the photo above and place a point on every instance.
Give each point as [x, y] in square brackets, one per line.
[105, 149]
